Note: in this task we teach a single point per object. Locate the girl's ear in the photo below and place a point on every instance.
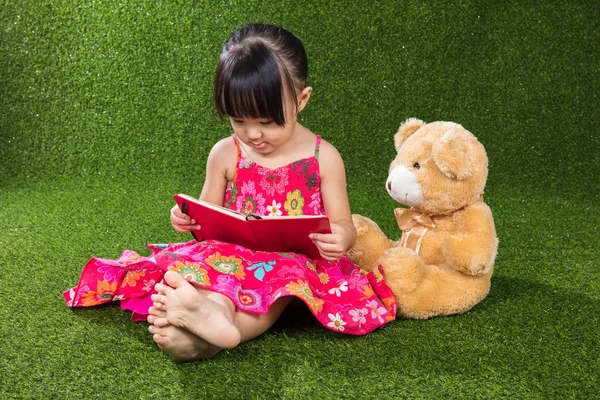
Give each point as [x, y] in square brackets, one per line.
[303, 97]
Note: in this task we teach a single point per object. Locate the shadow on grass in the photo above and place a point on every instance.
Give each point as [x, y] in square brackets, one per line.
[524, 339]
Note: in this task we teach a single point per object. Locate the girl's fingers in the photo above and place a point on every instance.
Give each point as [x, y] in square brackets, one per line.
[320, 237]
[182, 222]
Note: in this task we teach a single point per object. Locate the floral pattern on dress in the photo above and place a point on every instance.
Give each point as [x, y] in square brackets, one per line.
[274, 182]
[132, 278]
[337, 323]
[249, 298]
[294, 203]
[303, 291]
[192, 272]
[227, 265]
[359, 315]
[303, 168]
[104, 292]
[249, 201]
[274, 210]
[231, 199]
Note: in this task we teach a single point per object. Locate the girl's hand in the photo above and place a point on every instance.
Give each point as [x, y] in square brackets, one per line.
[182, 222]
[334, 245]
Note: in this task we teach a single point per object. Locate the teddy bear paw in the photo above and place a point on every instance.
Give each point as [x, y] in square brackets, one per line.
[360, 223]
[401, 266]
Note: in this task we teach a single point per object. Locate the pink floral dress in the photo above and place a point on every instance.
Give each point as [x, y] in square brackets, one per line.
[341, 296]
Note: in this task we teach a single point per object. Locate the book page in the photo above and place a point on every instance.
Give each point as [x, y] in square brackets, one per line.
[216, 223]
[216, 207]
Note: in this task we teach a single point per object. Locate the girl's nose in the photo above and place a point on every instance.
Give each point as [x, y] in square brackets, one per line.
[253, 133]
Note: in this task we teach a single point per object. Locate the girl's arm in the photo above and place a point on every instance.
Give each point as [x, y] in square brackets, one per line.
[218, 170]
[337, 208]
[220, 167]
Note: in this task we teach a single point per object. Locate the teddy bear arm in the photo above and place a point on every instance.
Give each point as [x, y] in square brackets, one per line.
[473, 250]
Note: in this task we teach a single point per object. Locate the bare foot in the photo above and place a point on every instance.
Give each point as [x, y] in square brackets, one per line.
[180, 344]
[209, 317]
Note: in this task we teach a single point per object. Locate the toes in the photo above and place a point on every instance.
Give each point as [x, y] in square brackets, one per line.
[157, 311]
[175, 280]
[158, 298]
[163, 289]
[156, 331]
[160, 322]
[160, 340]
[152, 317]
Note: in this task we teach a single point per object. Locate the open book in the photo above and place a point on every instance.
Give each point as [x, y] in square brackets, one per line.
[264, 233]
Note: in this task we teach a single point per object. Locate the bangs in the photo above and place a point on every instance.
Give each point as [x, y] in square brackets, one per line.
[249, 85]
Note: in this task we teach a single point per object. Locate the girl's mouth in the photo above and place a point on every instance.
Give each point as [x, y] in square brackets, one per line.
[259, 146]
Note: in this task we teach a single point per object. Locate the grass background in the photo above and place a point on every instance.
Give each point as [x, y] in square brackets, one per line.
[105, 113]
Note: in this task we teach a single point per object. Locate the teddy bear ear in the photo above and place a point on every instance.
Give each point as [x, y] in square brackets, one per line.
[407, 128]
[451, 153]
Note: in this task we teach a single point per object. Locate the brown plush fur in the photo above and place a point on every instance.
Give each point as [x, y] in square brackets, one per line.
[453, 267]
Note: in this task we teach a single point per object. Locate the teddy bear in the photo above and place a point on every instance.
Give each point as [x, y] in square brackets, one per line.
[443, 262]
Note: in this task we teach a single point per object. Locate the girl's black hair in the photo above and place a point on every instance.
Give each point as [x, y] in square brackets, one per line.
[257, 63]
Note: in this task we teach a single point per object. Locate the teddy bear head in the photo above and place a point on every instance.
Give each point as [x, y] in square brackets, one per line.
[440, 167]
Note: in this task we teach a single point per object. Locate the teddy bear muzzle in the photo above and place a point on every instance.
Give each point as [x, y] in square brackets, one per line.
[402, 185]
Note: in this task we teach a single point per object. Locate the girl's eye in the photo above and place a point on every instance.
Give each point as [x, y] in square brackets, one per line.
[417, 165]
[265, 123]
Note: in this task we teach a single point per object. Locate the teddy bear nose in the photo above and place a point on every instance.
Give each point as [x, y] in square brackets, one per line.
[389, 185]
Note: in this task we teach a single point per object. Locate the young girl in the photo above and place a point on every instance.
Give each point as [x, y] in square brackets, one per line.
[213, 295]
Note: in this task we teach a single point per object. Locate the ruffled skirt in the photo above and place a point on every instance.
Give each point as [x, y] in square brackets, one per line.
[339, 294]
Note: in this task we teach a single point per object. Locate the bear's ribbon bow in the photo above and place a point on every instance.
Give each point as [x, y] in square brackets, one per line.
[409, 218]
[414, 225]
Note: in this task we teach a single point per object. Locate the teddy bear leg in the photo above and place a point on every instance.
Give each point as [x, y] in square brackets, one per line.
[424, 291]
[403, 270]
[370, 243]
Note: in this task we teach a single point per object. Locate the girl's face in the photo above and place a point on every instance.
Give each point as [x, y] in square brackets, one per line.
[263, 135]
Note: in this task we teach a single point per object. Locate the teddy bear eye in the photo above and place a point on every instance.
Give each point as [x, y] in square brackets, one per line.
[417, 165]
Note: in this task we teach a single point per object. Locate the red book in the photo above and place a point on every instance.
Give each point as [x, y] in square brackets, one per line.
[264, 233]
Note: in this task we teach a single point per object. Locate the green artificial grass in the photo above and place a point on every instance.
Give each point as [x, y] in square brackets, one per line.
[105, 113]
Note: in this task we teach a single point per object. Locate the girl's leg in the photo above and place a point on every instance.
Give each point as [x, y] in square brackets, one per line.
[210, 316]
[253, 325]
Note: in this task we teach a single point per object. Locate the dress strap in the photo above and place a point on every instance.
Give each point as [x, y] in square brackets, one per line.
[317, 146]
[239, 157]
